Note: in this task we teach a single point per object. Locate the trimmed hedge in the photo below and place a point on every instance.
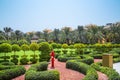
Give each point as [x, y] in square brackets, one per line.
[111, 73]
[83, 68]
[11, 72]
[38, 72]
[14, 60]
[63, 58]
[24, 61]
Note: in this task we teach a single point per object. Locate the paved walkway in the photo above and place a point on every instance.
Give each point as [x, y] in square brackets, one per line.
[22, 77]
[66, 74]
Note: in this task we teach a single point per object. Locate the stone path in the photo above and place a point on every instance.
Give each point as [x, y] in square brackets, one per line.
[66, 74]
[22, 77]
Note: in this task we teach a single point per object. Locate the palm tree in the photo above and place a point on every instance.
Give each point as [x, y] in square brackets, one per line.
[80, 31]
[18, 34]
[56, 35]
[7, 32]
[67, 31]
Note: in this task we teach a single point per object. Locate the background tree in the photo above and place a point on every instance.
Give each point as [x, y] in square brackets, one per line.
[7, 32]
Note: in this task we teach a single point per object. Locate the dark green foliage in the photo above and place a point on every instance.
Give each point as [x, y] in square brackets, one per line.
[5, 57]
[90, 73]
[88, 60]
[14, 60]
[54, 45]
[15, 56]
[97, 56]
[44, 57]
[37, 72]
[45, 49]
[23, 61]
[11, 72]
[7, 63]
[42, 66]
[115, 60]
[111, 73]
[79, 51]
[44, 75]
[63, 58]
[33, 60]
[24, 56]
[78, 66]
[64, 51]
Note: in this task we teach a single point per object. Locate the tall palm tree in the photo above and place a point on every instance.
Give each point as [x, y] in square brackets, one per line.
[56, 35]
[67, 31]
[18, 34]
[7, 32]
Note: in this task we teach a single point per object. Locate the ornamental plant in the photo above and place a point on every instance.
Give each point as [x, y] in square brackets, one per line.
[34, 47]
[5, 47]
[25, 47]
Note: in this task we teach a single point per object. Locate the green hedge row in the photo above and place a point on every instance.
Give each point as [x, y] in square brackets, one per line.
[63, 58]
[38, 72]
[111, 73]
[12, 72]
[90, 72]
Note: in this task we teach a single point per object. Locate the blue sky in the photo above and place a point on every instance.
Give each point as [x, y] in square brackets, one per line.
[37, 15]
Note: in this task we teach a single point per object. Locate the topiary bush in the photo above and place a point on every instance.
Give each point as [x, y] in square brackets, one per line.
[38, 72]
[15, 60]
[5, 47]
[33, 60]
[24, 61]
[45, 49]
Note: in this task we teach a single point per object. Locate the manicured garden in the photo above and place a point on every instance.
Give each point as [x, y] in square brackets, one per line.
[78, 57]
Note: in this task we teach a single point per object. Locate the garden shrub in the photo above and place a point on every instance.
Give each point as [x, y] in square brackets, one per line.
[97, 56]
[88, 60]
[24, 56]
[45, 49]
[91, 75]
[24, 61]
[11, 73]
[64, 46]
[83, 68]
[38, 72]
[111, 73]
[63, 58]
[64, 51]
[5, 57]
[115, 60]
[15, 56]
[33, 60]
[7, 63]
[54, 45]
[14, 60]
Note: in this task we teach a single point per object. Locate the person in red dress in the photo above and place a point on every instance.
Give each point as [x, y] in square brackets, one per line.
[52, 54]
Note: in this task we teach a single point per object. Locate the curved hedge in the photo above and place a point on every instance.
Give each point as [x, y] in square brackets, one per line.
[38, 72]
[111, 73]
[10, 72]
[63, 58]
[90, 72]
